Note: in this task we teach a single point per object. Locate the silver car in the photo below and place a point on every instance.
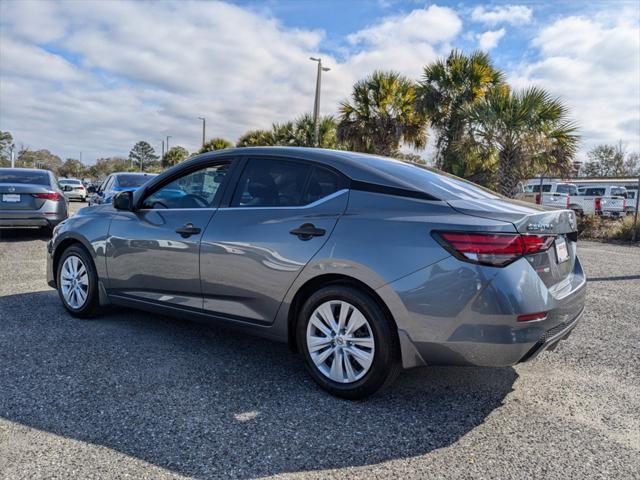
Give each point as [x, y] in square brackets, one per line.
[30, 198]
[365, 265]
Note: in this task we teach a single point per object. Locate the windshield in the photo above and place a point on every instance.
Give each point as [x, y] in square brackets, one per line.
[132, 180]
[24, 177]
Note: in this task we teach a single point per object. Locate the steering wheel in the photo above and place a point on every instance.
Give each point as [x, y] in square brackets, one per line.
[199, 200]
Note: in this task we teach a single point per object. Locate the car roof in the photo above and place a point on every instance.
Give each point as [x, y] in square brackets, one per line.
[357, 166]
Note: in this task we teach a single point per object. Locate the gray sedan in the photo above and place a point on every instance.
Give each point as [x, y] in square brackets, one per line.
[365, 265]
[30, 198]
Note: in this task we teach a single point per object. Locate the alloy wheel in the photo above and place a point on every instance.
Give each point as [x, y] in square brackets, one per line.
[74, 282]
[340, 341]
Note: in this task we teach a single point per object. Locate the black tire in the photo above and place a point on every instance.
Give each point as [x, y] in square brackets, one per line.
[91, 305]
[386, 362]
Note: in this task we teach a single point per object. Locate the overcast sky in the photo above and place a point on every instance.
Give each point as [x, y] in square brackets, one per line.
[97, 76]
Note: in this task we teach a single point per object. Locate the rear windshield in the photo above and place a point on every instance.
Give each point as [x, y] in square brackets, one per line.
[440, 184]
[536, 188]
[566, 188]
[24, 177]
[619, 192]
[592, 191]
[131, 180]
[66, 181]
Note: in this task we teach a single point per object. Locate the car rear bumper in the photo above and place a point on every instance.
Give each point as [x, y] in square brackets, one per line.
[456, 313]
[29, 220]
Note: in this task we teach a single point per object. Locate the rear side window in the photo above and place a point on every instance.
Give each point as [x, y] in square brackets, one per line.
[24, 177]
[322, 183]
[271, 183]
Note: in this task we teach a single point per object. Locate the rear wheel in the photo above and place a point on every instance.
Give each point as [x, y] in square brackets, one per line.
[349, 345]
[77, 282]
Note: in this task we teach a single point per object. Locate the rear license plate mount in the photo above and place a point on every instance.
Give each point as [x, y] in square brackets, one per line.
[562, 251]
[11, 197]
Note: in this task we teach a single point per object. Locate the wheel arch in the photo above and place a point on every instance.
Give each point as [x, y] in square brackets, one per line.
[63, 245]
[324, 280]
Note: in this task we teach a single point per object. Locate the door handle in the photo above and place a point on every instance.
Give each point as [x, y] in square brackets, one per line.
[187, 230]
[307, 231]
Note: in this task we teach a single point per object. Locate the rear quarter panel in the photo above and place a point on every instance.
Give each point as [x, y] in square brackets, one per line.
[382, 238]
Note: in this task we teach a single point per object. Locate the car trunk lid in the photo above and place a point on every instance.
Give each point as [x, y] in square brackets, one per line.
[17, 196]
[554, 266]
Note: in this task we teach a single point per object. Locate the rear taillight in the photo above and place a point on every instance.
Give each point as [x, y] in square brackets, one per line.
[624, 204]
[568, 203]
[47, 196]
[495, 249]
[598, 203]
[538, 199]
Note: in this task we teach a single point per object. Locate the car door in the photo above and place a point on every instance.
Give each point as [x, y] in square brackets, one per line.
[281, 213]
[152, 252]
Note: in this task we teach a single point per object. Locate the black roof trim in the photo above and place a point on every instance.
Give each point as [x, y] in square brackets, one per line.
[386, 190]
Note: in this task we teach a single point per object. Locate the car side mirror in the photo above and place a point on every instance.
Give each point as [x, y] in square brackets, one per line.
[91, 189]
[123, 201]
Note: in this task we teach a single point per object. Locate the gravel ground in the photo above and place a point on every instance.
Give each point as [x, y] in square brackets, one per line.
[134, 395]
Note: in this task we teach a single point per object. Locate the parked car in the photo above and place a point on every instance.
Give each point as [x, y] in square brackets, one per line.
[73, 189]
[363, 264]
[610, 201]
[117, 182]
[30, 198]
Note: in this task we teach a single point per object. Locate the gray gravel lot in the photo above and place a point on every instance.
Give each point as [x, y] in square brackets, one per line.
[134, 395]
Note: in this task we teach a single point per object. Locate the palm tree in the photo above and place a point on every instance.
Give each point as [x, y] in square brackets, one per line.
[382, 115]
[255, 138]
[216, 144]
[449, 86]
[529, 131]
[298, 133]
[327, 131]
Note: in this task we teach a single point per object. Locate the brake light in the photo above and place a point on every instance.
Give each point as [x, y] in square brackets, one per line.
[568, 204]
[624, 204]
[538, 199]
[495, 249]
[47, 196]
[598, 203]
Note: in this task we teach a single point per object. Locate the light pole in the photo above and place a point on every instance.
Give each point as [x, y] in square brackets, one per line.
[168, 137]
[13, 158]
[204, 127]
[316, 103]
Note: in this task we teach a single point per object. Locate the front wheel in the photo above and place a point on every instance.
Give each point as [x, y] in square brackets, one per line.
[77, 282]
[349, 345]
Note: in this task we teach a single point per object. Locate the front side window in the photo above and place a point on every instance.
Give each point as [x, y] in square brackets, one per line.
[196, 189]
[271, 183]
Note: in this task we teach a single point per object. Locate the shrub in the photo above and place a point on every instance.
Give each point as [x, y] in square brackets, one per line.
[624, 230]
